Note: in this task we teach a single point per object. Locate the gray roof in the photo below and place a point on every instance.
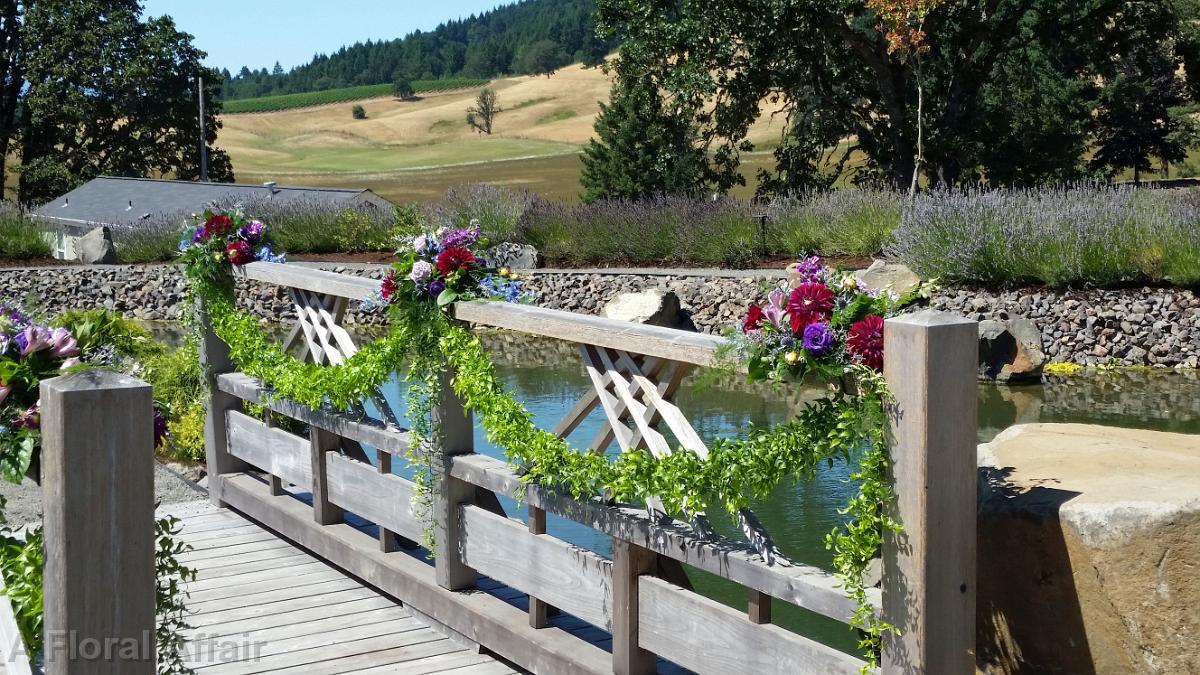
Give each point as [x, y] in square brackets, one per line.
[124, 202]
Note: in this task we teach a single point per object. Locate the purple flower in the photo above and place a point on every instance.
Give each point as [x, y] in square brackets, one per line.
[461, 237]
[200, 234]
[30, 419]
[5, 390]
[436, 287]
[776, 307]
[33, 339]
[807, 271]
[160, 428]
[819, 339]
[252, 231]
[62, 344]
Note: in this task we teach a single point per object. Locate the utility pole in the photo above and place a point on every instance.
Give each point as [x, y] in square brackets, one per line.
[203, 140]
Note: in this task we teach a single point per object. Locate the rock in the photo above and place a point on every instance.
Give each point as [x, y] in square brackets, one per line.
[654, 307]
[1088, 542]
[894, 276]
[1010, 351]
[516, 256]
[96, 248]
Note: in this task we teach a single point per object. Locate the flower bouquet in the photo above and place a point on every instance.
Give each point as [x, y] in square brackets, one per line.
[445, 266]
[216, 240]
[29, 353]
[823, 325]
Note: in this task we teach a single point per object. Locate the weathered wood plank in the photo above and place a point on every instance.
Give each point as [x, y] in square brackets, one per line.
[98, 498]
[370, 432]
[322, 444]
[929, 567]
[334, 645]
[803, 585]
[292, 622]
[708, 637]
[457, 437]
[309, 279]
[214, 617]
[273, 450]
[399, 659]
[384, 499]
[629, 652]
[566, 576]
[667, 343]
[481, 617]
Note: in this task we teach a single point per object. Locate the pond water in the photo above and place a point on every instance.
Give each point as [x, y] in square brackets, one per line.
[547, 377]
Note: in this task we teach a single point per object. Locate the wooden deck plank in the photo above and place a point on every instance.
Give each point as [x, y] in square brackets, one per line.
[288, 611]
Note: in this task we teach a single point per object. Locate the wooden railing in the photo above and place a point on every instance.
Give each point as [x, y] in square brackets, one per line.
[641, 596]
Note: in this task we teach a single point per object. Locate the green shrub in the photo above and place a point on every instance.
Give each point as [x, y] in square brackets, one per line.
[185, 435]
[363, 230]
[838, 222]
[358, 112]
[20, 236]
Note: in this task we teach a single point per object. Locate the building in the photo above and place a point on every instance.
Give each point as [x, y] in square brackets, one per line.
[121, 203]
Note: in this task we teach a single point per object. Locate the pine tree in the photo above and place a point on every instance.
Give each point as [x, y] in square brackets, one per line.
[643, 149]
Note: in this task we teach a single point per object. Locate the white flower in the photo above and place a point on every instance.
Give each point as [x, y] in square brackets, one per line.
[420, 243]
[421, 271]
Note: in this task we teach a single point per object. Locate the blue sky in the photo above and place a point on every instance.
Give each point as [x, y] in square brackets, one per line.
[257, 33]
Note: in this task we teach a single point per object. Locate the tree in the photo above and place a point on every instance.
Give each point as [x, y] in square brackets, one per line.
[123, 102]
[543, 57]
[1136, 120]
[277, 71]
[481, 115]
[718, 63]
[643, 148]
[358, 112]
[402, 89]
[12, 77]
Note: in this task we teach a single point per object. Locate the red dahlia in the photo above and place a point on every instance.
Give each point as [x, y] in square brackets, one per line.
[810, 303]
[865, 342]
[754, 319]
[239, 252]
[454, 259]
[219, 224]
[389, 287]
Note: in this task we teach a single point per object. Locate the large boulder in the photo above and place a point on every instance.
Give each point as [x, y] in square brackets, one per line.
[654, 306]
[1089, 541]
[96, 248]
[1010, 351]
[882, 276]
[515, 256]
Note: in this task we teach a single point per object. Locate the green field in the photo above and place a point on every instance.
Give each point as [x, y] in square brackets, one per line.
[313, 98]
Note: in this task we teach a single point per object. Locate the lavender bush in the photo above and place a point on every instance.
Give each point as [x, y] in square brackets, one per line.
[838, 222]
[498, 210]
[20, 236]
[655, 230]
[1080, 235]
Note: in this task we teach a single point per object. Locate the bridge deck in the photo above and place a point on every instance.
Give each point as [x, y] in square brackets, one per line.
[260, 604]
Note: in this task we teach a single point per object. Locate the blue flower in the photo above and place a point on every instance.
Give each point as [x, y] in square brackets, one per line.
[184, 244]
[265, 254]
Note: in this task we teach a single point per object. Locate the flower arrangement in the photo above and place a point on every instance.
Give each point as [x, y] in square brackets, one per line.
[215, 240]
[823, 323]
[29, 353]
[445, 266]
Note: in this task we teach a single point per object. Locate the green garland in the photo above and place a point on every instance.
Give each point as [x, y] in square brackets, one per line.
[422, 341]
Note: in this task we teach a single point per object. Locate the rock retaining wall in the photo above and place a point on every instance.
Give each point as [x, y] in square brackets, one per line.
[1138, 326]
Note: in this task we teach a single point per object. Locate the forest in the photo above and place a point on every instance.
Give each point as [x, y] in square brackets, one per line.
[529, 37]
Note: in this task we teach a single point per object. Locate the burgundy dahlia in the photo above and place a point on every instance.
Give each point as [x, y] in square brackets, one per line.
[219, 224]
[239, 252]
[454, 259]
[810, 303]
[389, 287]
[754, 319]
[865, 342]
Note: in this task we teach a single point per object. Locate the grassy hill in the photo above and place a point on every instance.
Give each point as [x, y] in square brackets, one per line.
[415, 150]
[315, 98]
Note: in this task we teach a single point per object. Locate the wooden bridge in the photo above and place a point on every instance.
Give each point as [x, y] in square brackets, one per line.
[308, 552]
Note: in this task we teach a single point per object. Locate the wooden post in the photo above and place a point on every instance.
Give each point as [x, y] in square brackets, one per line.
[214, 360]
[321, 442]
[276, 483]
[629, 562]
[457, 438]
[98, 499]
[537, 608]
[759, 607]
[387, 538]
[929, 567]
